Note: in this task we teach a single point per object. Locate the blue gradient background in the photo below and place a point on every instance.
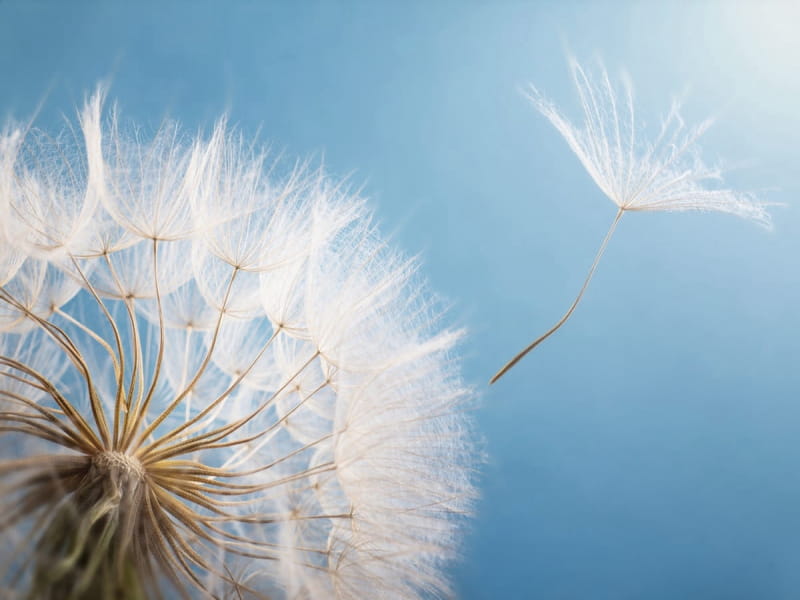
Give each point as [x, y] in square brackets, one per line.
[650, 448]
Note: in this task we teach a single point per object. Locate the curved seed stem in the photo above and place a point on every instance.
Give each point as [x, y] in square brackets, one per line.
[141, 406]
[198, 374]
[571, 309]
[119, 361]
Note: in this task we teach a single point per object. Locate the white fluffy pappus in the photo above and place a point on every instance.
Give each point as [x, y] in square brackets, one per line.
[216, 380]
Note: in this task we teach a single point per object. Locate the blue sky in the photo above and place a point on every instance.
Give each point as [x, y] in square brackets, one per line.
[650, 448]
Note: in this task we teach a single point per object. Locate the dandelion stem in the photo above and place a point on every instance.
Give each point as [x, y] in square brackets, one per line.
[120, 371]
[140, 410]
[92, 442]
[198, 374]
[571, 309]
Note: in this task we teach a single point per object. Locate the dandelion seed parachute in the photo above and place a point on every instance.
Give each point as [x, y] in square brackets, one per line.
[216, 381]
[636, 174]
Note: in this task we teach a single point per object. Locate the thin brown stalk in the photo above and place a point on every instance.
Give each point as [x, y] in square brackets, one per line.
[151, 454]
[120, 371]
[140, 411]
[200, 370]
[571, 309]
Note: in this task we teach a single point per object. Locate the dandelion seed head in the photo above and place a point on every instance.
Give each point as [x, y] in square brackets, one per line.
[217, 380]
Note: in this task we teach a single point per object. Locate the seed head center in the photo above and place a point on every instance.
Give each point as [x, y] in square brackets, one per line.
[119, 462]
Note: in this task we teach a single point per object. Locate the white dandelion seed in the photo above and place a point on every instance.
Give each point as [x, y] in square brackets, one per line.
[665, 174]
[215, 379]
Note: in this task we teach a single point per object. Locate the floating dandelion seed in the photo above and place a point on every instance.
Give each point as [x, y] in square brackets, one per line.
[637, 175]
[215, 381]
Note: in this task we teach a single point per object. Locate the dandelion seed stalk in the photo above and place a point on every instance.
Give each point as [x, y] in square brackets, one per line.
[572, 307]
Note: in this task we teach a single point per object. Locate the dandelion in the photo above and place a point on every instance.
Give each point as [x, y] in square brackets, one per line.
[216, 381]
[665, 174]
